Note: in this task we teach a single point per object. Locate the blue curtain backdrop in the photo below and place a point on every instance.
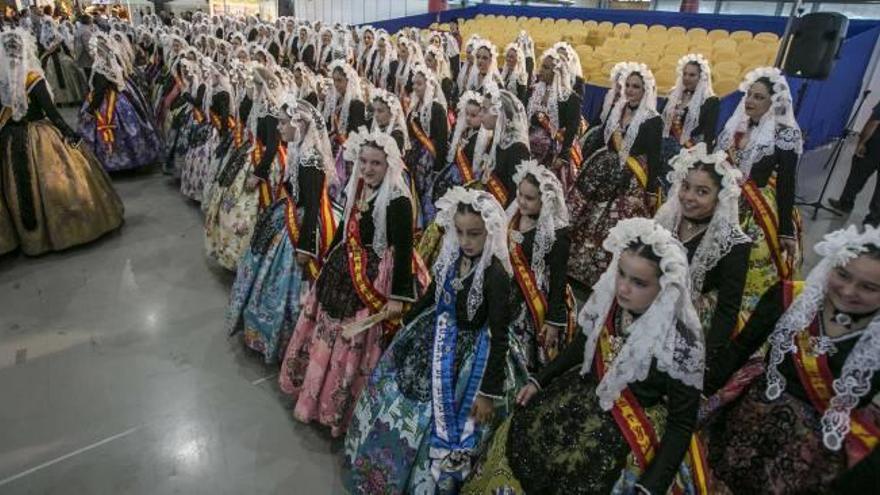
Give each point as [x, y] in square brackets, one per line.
[825, 107]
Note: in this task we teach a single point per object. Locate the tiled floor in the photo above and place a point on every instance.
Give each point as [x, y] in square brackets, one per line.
[116, 376]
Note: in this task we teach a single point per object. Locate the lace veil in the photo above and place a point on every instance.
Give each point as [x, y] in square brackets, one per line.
[703, 90]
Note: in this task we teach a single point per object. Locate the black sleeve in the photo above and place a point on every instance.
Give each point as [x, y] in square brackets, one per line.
[557, 313]
[651, 134]
[709, 121]
[570, 119]
[448, 88]
[392, 75]
[732, 270]
[571, 356]
[100, 85]
[357, 116]
[439, 135]
[311, 181]
[522, 92]
[220, 107]
[200, 96]
[267, 132]
[422, 304]
[732, 357]
[786, 181]
[496, 292]
[40, 94]
[313, 99]
[397, 134]
[400, 236]
[309, 58]
[864, 477]
[682, 403]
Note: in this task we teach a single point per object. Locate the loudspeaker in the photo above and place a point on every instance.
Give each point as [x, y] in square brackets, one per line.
[814, 43]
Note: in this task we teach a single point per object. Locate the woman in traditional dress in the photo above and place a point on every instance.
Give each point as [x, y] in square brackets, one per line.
[368, 272]
[620, 180]
[435, 59]
[764, 141]
[514, 76]
[429, 137]
[409, 56]
[485, 71]
[527, 45]
[234, 203]
[703, 213]
[54, 195]
[807, 424]
[538, 241]
[290, 240]
[325, 50]
[345, 112]
[388, 118]
[365, 49]
[195, 167]
[306, 48]
[109, 123]
[459, 169]
[571, 57]
[691, 112]
[504, 144]
[381, 72]
[467, 64]
[430, 402]
[616, 411]
[305, 83]
[554, 118]
[218, 102]
[66, 79]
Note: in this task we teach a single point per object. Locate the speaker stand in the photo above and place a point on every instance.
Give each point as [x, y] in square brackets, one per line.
[832, 160]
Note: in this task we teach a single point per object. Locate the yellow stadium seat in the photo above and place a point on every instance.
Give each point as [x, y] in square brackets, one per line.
[725, 44]
[548, 21]
[718, 34]
[741, 36]
[771, 37]
[676, 29]
[697, 31]
[576, 23]
[621, 28]
[657, 28]
[726, 86]
[605, 26]
[591, 24]
[562, 22]
[728, 67]
[639, 28]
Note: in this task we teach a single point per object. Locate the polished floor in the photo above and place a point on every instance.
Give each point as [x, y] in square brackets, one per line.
[116, 376]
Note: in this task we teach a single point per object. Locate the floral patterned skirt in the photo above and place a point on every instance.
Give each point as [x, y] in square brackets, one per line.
[268, 287]
[135, 143]
[561, 443]
[322, 371]
[761, 446]
[232, 209]
[196, 170]
[604, 193]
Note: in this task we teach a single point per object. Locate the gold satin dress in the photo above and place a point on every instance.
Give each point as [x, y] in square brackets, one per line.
[57, 196]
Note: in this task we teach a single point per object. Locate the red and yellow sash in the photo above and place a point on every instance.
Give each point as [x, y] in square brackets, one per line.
[768, 219]
[639, 169]
[496, 187]
[198, 115]
[525, 278]
[416, 128]
[105, 122]
[465, 169]
[676, 129]
[634, 424]
[817, 379]
[574, 154]
[216, 121]
[238, 132]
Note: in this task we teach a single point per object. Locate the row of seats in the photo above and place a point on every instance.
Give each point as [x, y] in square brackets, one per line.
[602, 44]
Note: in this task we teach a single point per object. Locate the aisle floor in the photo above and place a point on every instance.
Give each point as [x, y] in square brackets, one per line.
[116, 376]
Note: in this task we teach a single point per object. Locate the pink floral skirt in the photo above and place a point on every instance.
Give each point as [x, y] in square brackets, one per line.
[324, 372]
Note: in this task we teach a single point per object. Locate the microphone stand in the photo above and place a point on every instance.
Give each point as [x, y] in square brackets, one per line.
[832, 161]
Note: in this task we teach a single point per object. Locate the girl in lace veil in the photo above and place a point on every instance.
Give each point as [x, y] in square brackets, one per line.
[305, 83]
[763, 140]
[456, 334]
[502, 143]
[367, 274]
[691, 111]
[63, 75]
[409, 56]
[620, 179]
[345, 112]
[640, 349]
[467, 65]
[554, 118]
[388, 117]
[290, 239]
[514, 76]
[573, 60]
[702, 211]
[485, 68]
[538, 241]
[429, 135]
[527, 45]
[133, 142]
[821, 376]
[52, 195]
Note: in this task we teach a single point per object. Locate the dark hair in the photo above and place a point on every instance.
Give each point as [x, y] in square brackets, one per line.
[872, 251]
[768, 83]
[709, 168]
[695, 64]
[532, 180]
[645, 251]
[466, 208]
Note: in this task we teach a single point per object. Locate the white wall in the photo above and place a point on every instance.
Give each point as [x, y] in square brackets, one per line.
[357, 11]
